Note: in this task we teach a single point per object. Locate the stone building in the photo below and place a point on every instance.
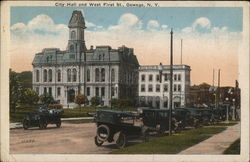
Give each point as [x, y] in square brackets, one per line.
[154, 93]
[102, 71]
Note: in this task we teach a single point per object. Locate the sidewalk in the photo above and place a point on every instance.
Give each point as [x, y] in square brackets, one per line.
[20, 125]
[217, 143]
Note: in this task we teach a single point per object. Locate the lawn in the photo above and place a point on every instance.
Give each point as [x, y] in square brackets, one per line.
[172, 144]
[22, 110]
[78, 121]
[233, 148]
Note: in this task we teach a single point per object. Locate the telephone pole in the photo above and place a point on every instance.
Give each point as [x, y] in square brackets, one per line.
[171, 82]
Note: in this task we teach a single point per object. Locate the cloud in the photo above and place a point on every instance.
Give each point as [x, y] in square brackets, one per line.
[203, 51]
[153, 25]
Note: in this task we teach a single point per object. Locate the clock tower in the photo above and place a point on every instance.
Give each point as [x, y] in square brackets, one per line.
[76, 42]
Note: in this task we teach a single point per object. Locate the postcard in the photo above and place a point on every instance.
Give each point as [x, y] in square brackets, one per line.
[124, 81]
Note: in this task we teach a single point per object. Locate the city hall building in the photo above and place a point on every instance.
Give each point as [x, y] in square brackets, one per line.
[101, 71]
[155, 93]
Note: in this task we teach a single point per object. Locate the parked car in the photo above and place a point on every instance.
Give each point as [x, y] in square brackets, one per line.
[41, 118]
[120, 124]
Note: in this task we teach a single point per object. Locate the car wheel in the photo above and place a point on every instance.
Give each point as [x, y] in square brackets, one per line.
[103, 132]
[98, 142]
[121, 141]
[25, 124]
[58, 124]
[41, 124]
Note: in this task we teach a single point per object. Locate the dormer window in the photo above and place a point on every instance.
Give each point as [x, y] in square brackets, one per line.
[71, 48]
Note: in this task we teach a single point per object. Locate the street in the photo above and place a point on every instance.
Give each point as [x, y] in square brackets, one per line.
[70, 138]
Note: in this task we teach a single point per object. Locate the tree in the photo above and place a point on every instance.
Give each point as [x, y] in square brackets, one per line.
[30, 96]
[80, 99]
[95, 101]
[47, 99]
[14, 90]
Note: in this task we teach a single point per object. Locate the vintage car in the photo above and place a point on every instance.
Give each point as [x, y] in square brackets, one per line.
[158, 120]
[118, 126]
[41, 118]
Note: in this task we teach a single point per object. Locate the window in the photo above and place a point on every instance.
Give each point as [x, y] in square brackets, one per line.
[179, 77]
[88, 75]
[88, 91]
[59, 75]
[58, 91]
[157, 78]
[50, 91]
[71, 48]
[174, 87]
[44, 90]
[165, 104]
[142, 88]
[150, 88]
[96, 91]
[73, 35]
[50, 75]
[179, 87]
[69, 75]
[143, 78]
[37, 90]
[165, 87]
[175, 77]
[97, 74]
[112, 91]
[37, 75]
[72, 56]
[158, 88]
[150, 78]
[74, 75]
[112, 75]
[166, 77]
[44, 75]
[103, 75]
[103, 91]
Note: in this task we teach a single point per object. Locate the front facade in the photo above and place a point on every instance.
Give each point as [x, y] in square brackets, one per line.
[155, 93]
[102, 71]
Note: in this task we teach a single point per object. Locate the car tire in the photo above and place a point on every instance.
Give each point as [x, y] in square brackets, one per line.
[98, 142]
[121, 141]
[103, 128]
[41, 124]
[25, 124]
[58, 123]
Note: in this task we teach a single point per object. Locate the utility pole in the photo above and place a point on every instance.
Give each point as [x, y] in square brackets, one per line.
[213, 78]
[171, 82]
[181, 51]
[218, 90]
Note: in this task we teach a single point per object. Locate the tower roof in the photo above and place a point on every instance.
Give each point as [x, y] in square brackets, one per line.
[76, 20]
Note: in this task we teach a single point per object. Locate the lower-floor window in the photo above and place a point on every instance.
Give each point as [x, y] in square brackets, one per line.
[58, 91]
[44, 90]
[103, 91]
[88, 91]
[37, 90]
[96, 91]
[50, 91]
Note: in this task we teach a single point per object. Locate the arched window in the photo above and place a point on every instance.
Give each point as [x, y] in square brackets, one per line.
[71, 48]
[69, 75]
[37, 75]
[88, 75]
[59, 75]
[73, 35]
[74, 75]
[103, 75]
[113, 75]
[50, 75]
[97, 75]
[44, 75]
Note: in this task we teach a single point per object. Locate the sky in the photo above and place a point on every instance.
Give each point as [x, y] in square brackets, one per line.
[211, 35]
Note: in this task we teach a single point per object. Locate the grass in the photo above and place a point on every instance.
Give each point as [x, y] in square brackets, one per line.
[172, 144]
[233, 148]
[227, 124]
[22, 110]
[78, 121]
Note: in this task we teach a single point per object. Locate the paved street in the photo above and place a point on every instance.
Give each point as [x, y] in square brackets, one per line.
[217, 143]
[70, 138]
